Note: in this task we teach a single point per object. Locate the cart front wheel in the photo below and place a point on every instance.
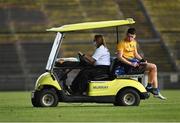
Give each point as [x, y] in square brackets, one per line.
[48, 98]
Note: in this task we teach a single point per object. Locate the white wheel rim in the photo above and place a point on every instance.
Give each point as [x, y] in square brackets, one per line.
[48, 99]
[129, 99]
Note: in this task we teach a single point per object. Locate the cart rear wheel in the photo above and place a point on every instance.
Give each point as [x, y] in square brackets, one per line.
[127, 97]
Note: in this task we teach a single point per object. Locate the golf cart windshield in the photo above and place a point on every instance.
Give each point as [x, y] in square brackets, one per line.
[77, 27]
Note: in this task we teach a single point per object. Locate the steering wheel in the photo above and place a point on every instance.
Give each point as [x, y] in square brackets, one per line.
[82, 59]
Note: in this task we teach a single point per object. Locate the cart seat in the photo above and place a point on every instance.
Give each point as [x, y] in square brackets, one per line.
[101, 77]
[108, 76]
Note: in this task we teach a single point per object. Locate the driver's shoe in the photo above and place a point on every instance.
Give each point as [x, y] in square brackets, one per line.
[67, 89]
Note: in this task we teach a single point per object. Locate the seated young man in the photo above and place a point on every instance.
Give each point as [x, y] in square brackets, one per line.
[127, 53]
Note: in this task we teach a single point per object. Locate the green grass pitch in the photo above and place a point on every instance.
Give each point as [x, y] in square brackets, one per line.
[16, 106]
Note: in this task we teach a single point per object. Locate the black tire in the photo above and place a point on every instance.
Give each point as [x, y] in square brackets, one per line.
[127, 97]
[34, 100]
[47, 98]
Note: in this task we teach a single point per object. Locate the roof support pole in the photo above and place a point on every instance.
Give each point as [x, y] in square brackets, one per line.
[117, 34]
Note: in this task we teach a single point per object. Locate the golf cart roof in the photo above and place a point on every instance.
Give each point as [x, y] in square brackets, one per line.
[91, 25]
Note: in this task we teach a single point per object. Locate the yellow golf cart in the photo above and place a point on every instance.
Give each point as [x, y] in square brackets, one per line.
[121, 90]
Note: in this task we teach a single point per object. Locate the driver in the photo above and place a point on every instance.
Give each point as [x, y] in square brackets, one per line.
[100, 62]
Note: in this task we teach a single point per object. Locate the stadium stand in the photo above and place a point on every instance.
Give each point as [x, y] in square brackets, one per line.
[165, 16]
[132, 8]
[4, 20]
[9, 60]
[63, 12]
[23, 18]
[10, 67]
[25, 45]
[106, 10]
[36, 55]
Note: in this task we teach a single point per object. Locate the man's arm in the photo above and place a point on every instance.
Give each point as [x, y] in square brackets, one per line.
[122, 59]
[140, 58]
[137, 55]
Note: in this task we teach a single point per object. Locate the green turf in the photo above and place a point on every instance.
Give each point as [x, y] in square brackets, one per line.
[16, 106]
